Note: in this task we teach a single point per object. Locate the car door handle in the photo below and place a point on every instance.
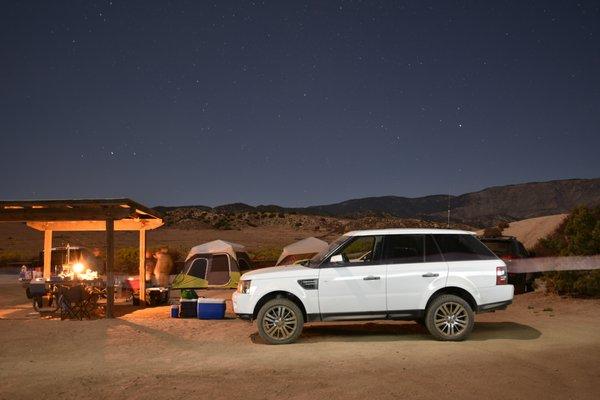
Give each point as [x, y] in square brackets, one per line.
[371, 278]
[430, 275]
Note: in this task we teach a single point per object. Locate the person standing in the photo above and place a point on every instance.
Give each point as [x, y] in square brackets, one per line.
[164, 265]
[99, 265]
[150, 263]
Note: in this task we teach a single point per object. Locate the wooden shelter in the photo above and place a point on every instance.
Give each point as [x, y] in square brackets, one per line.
[108, 215]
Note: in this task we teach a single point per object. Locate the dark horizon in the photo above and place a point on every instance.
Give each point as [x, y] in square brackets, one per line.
[294, 104]
[165, 205]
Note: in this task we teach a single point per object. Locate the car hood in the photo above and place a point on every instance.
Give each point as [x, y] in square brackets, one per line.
[282, 271]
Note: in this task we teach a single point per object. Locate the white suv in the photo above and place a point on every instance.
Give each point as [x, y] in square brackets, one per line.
[437, 277]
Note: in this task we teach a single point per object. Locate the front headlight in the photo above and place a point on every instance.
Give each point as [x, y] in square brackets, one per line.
[244, 287]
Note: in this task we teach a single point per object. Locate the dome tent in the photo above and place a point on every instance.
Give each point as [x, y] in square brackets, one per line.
[301, 250]
[214, 264]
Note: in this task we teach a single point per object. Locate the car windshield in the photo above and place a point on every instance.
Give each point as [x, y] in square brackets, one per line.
[318, 258]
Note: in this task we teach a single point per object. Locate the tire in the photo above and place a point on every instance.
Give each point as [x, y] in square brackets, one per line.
[279, 321]
[449, 318]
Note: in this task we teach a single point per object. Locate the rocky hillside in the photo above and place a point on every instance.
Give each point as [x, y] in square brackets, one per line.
[231, 219]
[484, 208]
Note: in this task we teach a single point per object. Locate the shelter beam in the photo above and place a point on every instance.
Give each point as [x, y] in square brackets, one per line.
[142, 269]
[110, 263]
[47, 253]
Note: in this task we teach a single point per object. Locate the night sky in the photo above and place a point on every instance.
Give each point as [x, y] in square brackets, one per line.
[293, 103]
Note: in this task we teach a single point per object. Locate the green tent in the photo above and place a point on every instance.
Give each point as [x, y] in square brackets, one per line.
[214, 264]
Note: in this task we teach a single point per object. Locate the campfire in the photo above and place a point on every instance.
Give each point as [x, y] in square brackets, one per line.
[78, 271]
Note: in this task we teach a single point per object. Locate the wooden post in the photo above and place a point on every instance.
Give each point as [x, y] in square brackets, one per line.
[47, 253]
[142, 269]
[110, 262]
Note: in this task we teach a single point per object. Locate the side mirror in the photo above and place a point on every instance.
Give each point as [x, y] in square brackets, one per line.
[336, 259]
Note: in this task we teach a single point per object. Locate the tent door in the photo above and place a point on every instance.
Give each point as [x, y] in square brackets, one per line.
[219, 270]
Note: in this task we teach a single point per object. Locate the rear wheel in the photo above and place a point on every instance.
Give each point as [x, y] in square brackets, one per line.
[450, 318]
[280, 321]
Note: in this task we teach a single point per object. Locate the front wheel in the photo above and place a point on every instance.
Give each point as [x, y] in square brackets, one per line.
[449, 318]
[280, 321]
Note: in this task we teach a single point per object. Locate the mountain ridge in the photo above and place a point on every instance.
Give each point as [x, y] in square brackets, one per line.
[485, 207]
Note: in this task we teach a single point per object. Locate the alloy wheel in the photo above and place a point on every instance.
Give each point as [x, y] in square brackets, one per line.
[280, 322]
[451, 319]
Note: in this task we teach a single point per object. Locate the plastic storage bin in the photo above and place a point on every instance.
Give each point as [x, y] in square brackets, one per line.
[211, 308]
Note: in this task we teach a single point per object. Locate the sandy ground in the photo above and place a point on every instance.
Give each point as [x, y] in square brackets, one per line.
[519, 353]
[529, 231]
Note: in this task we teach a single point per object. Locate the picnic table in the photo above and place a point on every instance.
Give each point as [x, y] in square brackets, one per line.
[73, 299]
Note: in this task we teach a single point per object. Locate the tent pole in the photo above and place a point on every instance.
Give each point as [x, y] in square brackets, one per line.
[142, 267]
[110, 262]
[47, 253]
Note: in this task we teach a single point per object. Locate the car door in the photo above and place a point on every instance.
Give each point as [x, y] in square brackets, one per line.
[415, 268]
[354, 286]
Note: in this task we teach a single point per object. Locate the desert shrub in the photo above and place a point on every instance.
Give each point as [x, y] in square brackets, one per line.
[8, 256]
[127, 260]
[578, 235]
[503, 225]
[578, 283]
[265, 254]
[222, 224]
[178, 254]
[492, 232]
[281, 215]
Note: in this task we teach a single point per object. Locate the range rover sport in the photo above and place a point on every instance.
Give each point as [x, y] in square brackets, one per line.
[437, 277]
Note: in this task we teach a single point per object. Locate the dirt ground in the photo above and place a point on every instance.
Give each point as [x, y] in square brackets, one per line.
[542, 346]
[530, 231]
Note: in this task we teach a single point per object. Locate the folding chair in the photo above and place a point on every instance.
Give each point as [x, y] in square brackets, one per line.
[71, 302]
[90, 302]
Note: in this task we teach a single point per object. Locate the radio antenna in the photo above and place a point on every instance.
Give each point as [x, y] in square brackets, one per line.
[448, 224]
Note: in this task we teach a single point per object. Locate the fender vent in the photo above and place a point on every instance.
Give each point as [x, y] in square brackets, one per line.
[309, 284]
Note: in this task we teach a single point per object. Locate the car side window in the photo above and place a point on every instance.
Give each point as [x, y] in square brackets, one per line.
[403, 249]
[410, 249]
[463, 248]
[432, 251]
[361, 250]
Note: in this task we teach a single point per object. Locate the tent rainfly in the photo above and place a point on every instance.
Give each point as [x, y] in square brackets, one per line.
[214, 264]
[86, 215]
[301, 250]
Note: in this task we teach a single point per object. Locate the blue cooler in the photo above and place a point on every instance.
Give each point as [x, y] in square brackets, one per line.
[211, 308]
[174, 311]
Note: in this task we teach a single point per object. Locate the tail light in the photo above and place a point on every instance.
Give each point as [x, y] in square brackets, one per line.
[501, 276]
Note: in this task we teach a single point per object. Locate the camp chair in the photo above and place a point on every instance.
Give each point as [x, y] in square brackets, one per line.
[71, 302]
[89, 305]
